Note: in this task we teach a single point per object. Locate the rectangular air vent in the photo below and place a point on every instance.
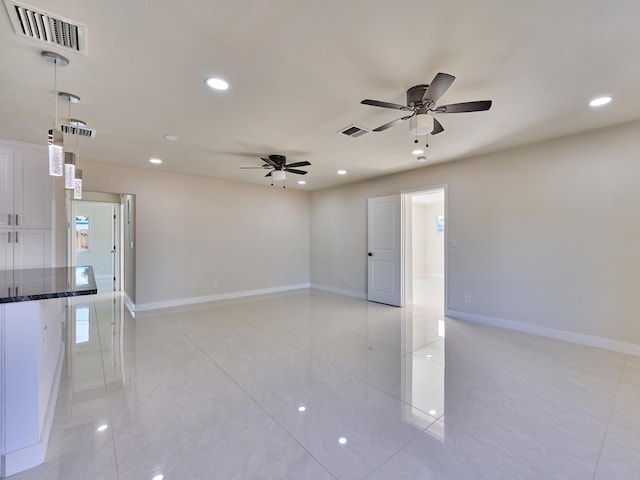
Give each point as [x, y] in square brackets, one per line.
[354, 131]
[71, 130]
[45, 27]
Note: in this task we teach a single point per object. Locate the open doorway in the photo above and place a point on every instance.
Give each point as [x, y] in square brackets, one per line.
[425, 266]
[427, 247]
[96, 239]
[101, 233]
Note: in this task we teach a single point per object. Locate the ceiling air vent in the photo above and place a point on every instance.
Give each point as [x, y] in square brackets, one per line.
[45, 27]
[354, 131]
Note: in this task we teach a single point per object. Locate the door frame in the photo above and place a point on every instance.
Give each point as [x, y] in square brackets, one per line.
[407, 278]
[96, 198]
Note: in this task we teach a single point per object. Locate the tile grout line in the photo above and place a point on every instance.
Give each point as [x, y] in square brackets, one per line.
[104, 379]
[230, 377]
[611, 410]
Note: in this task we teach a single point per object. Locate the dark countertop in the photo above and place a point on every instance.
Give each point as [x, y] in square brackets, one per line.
[42, 283]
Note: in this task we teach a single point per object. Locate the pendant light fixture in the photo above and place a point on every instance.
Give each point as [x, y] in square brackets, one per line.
[56, 153]
[70, 158]
[77, 185]
[77, 181]
[55, 137]
[69, 170]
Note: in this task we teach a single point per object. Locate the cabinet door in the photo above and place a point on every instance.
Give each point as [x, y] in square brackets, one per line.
[6, 249]
[32, 249]
[6, 188]
[32, 197]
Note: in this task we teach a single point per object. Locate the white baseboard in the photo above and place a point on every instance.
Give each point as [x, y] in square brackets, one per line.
[348, 293]
[573, 337]
[212, 298]
[129, 304]
[23, 459]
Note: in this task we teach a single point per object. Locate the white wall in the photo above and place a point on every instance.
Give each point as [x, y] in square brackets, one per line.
[427, 244]
[434, 241]
[548, 235]
[193, 231]
[419, 240]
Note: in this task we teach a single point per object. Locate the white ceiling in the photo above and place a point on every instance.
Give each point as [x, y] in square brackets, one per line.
[298, 70]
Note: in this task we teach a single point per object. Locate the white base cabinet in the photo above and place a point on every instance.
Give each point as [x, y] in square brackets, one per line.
[30, 367]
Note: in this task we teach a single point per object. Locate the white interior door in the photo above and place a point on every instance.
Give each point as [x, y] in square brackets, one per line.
[385, 250]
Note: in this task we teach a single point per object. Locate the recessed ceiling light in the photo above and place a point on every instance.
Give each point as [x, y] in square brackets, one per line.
[102, 428]
[342, 172]
[598, 102]
[302, 408]
[432, 412]
[301, 182]
[417, 151]
[216, 83]
[172, 138]
[158, 477]
[342, 441]
[155, 161]
[422, 159]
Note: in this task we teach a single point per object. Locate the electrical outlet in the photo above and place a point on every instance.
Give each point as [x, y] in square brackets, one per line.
[467, 298]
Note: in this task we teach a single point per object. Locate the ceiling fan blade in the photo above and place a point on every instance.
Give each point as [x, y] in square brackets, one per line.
[392, 123]
[298, 164]
[298, 172]
[437, 127]
[440, 84]
[269, 161]
[465, 107]
[377, 103]
[268, 174]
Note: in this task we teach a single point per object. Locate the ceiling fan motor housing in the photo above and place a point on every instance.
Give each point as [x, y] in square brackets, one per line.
[279, 159]
[419, 124]
[414, 96]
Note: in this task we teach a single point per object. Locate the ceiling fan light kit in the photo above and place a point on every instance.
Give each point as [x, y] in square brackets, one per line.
[278, 176]
[421, 124]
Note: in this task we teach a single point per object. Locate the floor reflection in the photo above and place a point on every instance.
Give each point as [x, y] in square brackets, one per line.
[314, 385]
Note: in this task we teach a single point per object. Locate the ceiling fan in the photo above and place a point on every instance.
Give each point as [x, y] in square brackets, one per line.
[278, 166]
[421, 100]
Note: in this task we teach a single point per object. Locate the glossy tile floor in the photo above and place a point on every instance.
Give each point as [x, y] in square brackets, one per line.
[311, 385]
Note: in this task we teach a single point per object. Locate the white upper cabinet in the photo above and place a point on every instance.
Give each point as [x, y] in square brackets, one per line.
[25, 207]
[25, 200]
[6, 187]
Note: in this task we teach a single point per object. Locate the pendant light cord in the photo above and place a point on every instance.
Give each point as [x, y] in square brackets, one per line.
[55, 90]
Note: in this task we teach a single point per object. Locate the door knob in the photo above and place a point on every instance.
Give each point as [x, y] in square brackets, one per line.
[370, 254]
